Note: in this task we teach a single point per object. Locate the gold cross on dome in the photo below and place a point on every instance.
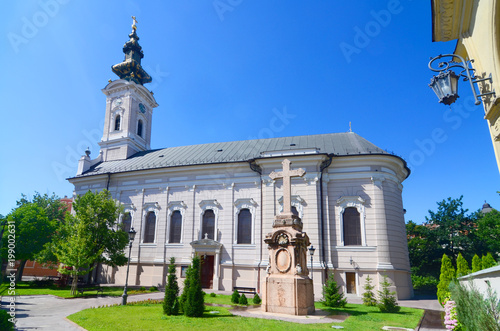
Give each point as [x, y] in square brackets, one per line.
[287, 175]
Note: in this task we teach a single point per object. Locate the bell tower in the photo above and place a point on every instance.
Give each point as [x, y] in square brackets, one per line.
[129, 105]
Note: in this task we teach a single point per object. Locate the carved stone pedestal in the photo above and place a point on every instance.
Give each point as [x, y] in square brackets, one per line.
[287, 288]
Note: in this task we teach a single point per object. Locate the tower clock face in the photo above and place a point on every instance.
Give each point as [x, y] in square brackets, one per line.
[117, 102]
[142, 108]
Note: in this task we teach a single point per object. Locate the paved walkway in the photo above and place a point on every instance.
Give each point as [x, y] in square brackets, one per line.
[46, 312]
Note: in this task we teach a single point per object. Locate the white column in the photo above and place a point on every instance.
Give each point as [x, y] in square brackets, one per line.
[378, 203]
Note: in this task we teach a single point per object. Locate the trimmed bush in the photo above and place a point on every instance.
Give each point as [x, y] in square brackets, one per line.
[194, 306]
[142, 288]
[212, 295]
[387, 299]
[153, 289]
[476, 263]
[447, 275]
[488, 261]
[332, 297]
[424, 284]
[462, 266]
[243, 300]
[256, 299]
[235, 298]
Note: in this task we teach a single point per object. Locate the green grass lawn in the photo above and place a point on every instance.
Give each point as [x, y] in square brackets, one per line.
[150, 317]
[24, 288]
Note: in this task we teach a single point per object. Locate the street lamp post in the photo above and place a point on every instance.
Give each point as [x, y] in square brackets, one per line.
[311, 252]
[131, 236]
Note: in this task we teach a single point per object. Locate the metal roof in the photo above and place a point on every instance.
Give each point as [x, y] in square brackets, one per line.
[337, 144]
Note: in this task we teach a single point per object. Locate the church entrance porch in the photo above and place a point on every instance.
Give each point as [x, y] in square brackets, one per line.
[207, 271]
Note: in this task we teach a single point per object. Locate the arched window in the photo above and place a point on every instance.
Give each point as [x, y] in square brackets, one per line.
[175, 227]
[139, 128]
[126, 222]
[118, 119]
[244, 227]
[149, 228]
[352, 227]
[208, 226]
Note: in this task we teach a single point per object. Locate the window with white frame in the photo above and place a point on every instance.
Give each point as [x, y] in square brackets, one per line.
[208, 219]
[150, 214]
[245, 211]
[351, 213]
[175, 218]
[126, 221]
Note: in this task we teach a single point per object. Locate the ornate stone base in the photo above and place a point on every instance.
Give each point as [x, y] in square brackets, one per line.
[287, 294]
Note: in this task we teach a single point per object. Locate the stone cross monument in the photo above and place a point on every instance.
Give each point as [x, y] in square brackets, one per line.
[287, 288]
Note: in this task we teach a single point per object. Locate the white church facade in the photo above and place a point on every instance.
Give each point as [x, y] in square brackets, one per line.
[217, 200]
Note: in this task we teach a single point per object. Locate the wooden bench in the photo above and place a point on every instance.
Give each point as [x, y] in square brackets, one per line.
[89, 287]
[248, 290]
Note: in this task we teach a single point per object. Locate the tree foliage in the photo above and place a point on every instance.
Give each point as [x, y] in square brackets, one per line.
[424, 250]
[462, 266]
[332, 297]
[368, 295]
[33, 223]
[193, 302]
[447, 275]
[477, 264]
[488, 232]
[171, 303]
[488, 261]
[387, 298]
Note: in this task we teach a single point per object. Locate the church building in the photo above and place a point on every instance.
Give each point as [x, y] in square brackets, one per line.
[217, 201]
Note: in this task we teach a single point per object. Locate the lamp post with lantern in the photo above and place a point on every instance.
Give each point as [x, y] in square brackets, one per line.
[131, 236]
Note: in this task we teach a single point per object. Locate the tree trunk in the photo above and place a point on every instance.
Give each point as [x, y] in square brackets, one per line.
[19, 274]
[74, 284]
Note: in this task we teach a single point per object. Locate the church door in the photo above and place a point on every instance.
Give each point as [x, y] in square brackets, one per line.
[350, 280]
[207, 271]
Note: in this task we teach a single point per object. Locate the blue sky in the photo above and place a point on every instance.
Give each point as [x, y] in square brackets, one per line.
[222, 69]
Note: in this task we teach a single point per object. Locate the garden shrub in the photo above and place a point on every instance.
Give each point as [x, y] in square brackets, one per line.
[153, 289]
[488, 261]
[243, 300]
[462, 266]
[171, 291]
[476, 263]
[387, 299]
[194, 304]
[142, 288]
[212, 295]
[424, 284]
[5, 324]
[473, 310]
[368, 295]
[235, 297]
[332, 297]
[256, 299]
[446, 276]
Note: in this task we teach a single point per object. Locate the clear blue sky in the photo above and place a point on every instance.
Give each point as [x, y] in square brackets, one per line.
[221, 69]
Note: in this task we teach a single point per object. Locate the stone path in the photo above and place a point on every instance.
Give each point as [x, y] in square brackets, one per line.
[47, 312]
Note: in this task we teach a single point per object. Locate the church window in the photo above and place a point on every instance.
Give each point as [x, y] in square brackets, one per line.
[139, 128]
[126, 222]
[150, 227]
[208, 226]
[352, 227]
[295, 211]
[117, 122]
[175, 227]
[244, 227]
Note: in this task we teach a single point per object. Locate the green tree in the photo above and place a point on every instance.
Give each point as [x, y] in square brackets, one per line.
[462, 266]
[171, 303]
[243, 300]
[453, 228]
[94, 224]
[488, 232]
[387, 298]
[368, 295]
[75, 249]
[447, 275]
[332, 297]
[476, 263]
[488, 261]
[256, 299]
[424, 250]
[194, 302]
[33, 223]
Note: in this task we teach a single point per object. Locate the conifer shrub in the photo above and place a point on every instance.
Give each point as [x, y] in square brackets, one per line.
[332, 297]
[488, 261]
[153, 289]
[476, 263]
[462, 266]
[171, 291]
[243, 300]
[256, 299]
[194, 304]
[387, 298]
[235, 297]
[446, 276]
[212, 295]
[368, 295]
